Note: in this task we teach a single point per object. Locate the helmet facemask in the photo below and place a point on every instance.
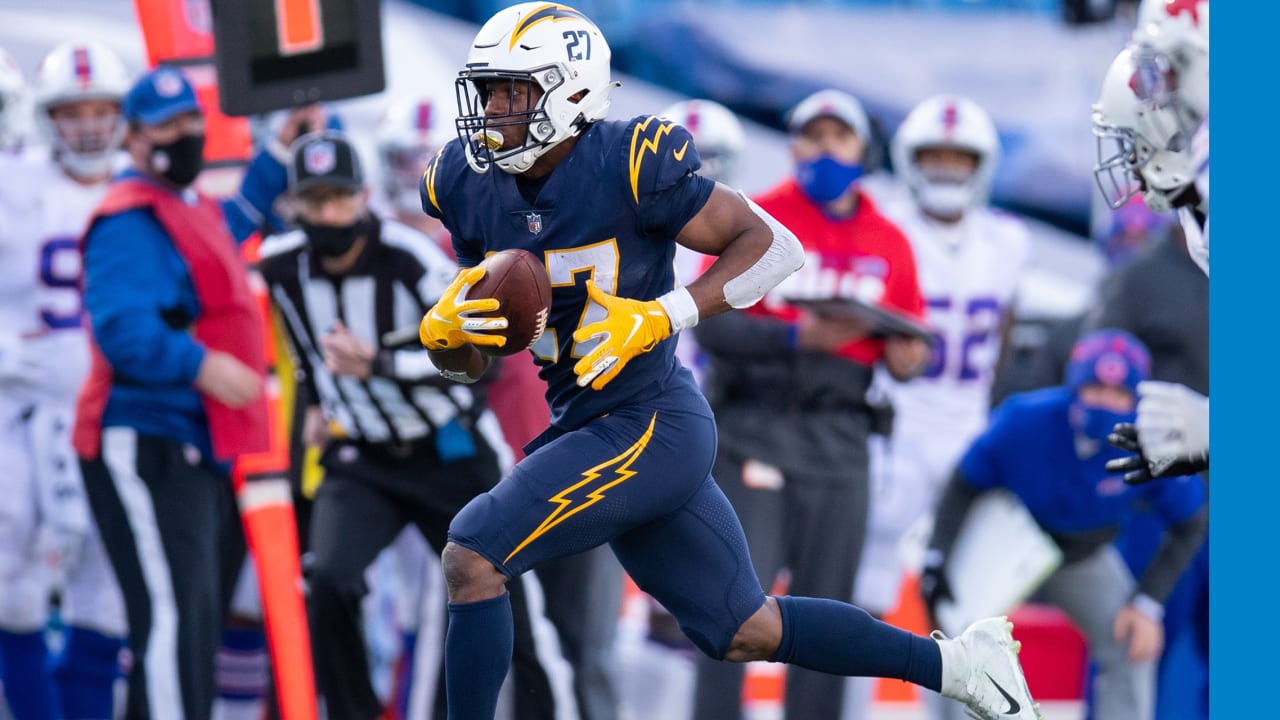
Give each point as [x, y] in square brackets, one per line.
[84, 146]
[947, 191]
[1128, 164]
[483, 135]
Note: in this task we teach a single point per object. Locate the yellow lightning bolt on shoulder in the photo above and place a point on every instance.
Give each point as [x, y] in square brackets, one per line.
[429, 177]
[646, 145]
[591, 489]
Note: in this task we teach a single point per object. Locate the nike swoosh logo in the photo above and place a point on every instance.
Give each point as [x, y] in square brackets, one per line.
[1014, 707]
[634, 329]
[679, 154]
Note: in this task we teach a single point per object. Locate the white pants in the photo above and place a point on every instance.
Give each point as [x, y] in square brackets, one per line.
[41, 500]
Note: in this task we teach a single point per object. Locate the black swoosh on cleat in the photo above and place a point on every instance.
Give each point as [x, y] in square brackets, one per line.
[1014, 707]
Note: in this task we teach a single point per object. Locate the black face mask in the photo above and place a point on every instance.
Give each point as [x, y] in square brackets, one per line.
[180, 161]
[333, 240]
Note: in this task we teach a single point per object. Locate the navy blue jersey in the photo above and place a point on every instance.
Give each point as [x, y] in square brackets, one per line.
[610, 211]
[1029, 448]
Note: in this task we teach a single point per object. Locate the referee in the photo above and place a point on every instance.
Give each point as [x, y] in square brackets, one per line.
[400, 444]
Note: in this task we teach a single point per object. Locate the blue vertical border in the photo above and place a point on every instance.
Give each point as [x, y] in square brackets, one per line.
[1245, 484]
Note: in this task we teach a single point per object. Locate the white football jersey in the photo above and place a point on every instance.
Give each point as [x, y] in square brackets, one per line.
[42, 216]
[968, 273]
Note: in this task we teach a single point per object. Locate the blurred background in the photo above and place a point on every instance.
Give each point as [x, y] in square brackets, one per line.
[1034, 65]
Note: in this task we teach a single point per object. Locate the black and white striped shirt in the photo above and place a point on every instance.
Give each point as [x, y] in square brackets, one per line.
[399, 275]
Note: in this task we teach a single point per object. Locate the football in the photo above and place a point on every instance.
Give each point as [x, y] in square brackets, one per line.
[519, 282]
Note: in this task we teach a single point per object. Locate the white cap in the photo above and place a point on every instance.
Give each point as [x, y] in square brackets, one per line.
[830, 103]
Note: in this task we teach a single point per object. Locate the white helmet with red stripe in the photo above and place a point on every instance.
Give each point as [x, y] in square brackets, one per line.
[947, 121]
[14, 109]
[1143, 145]
[1175, 35]
[716, 132]
[409, 134]
[75, 72]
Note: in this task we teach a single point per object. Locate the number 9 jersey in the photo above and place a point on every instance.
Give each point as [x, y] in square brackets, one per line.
[42, 215]
[609, 211]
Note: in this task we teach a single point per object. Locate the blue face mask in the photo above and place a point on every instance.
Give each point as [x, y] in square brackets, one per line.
[824, 178]
[1096, 423]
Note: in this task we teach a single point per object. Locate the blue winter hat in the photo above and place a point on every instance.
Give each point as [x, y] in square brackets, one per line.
[1108, 357]
[158, 96]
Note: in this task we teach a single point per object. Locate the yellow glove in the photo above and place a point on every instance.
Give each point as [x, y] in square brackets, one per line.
[448, 325]
[629, 328]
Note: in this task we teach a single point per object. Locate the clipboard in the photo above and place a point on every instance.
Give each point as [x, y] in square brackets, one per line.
[1000, 558]
[884, 321]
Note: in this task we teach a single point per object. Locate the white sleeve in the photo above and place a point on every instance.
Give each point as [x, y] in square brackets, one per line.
[784, 256]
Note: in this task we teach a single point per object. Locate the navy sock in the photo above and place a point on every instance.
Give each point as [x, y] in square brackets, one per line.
[28, 687]
[477, 655]
[842, 639]
[84, 673]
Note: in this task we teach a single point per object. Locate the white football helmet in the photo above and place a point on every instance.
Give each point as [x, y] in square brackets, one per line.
[73, 72]
[14, 108]
[554, 46]
[409, 134]
[716, 132]
[947, 121]
[1175, 33]
[1142, 145]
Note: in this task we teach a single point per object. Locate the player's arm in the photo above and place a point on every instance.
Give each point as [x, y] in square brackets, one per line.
[754, 252]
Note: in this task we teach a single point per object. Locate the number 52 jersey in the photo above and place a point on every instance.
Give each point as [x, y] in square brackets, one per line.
[610, 211]
[969, 272]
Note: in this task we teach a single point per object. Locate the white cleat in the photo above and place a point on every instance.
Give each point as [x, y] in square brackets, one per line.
[981, 669]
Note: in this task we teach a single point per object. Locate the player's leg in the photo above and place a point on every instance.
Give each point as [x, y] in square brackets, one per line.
[756, 493]
[541, 671]
[86, 670]
[1092, 591]
[574, 493]
[24, 579]
[696, 563]
[351, 522]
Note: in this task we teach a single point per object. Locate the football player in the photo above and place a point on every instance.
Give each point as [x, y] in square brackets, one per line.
[627, 457]
[969, 259]
[45, 200]
[409, 134]
[1154, 108]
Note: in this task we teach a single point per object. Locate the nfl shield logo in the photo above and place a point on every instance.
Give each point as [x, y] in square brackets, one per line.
[319, 158]
[535, 222]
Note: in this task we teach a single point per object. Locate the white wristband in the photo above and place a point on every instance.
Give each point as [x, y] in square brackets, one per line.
[681, 310]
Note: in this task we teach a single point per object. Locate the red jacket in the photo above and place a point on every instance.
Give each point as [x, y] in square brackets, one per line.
[228, 318]
[862, 248]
